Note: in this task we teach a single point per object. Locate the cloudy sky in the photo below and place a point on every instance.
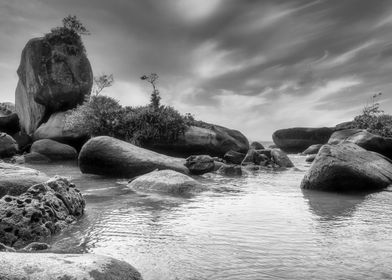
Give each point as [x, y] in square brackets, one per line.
[252, 65]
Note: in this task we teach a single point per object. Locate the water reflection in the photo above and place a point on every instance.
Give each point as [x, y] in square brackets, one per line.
[333, 206]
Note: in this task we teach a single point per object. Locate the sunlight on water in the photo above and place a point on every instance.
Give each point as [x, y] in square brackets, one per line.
[260, 226]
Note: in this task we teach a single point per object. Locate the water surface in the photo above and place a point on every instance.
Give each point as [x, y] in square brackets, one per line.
[259, 226]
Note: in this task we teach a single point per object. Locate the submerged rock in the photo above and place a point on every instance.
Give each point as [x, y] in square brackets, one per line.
[200, 164]
[166, 181]
[210, 140]
[54, 150]
[42, 211]
[348, 167]
[49, 266]
[297, 139]
[108, 156]
[8, 146]
[15, 179]
[230, 170]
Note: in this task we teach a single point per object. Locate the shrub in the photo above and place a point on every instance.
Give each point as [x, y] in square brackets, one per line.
[373, 119]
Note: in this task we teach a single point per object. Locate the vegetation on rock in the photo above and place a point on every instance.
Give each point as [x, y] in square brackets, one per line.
[373, 119]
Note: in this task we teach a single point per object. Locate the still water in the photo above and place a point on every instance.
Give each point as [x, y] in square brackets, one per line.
[259, 226]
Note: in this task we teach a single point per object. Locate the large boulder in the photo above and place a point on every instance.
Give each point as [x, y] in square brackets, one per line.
[43, 210]
[348, 167]
[297, 139]
[49, 266]
[15, 179]
[59, 128]
[54, 150]
[8, 146]
[109, 156]
[364, 139]
[167, 182]
[211, 140]
[9, 120]
[200, 164]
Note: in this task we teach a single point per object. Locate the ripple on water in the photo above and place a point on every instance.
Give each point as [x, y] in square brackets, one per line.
[259, 226]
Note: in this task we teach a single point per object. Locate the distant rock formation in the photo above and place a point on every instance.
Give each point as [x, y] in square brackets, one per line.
[297, 139]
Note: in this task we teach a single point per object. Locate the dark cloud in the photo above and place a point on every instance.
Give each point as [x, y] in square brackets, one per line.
[252, 65]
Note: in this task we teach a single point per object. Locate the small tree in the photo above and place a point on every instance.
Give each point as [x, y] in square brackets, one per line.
[101, 82]
[155, 100]
[73, 23]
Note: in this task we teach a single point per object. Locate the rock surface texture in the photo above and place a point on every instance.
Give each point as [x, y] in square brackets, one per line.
[42, 211]
[297, 139]
[348, 167]
[54, 150]
[54, 75]
[15, 179]
[364, 139]
[214, 141]
[49, 266]
[167, 182]
[108, 156]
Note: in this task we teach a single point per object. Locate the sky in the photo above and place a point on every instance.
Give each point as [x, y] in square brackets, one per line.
[251, 65]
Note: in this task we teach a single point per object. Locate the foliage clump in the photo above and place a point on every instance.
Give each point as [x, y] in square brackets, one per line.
[373, 119]
[68, 34]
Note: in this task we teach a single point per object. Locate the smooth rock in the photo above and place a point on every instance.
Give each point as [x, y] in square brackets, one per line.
[40, 212]
[252, 157]
[9, 120]
[8, 146]
[35, 157]
[167, 182]
[313, 149]
[348, 167]
[364, 139]
[234, 157]
[15, 179]
[54, 150]
[297, 139]
[200, 164]
[108, 156]
[214, 141]
[310, 158]
[280, 158]
[59, 128]
[256, 145]
[49, 266]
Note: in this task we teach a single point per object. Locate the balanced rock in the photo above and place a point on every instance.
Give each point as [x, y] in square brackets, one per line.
[15, 179]
[348, 167]
[42, 211]
[49, 266]
[280, 158]
[200, 164]
[109, 156]
[210, 140]
[167, 182]
[297, 139]
[8, 146]
[313, 149]
[54, 150]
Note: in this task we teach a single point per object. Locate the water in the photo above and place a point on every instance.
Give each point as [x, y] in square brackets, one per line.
[260, 226]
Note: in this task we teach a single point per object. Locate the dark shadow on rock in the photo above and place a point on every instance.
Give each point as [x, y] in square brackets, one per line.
[329, 206]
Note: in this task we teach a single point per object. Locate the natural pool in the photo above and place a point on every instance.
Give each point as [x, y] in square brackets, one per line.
[259, 226]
